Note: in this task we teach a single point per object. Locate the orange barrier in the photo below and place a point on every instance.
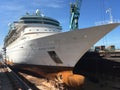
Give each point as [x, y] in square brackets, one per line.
[70, 79]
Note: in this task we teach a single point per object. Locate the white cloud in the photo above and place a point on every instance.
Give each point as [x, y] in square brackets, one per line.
[49, 3]
[54, 5]
[11, 6]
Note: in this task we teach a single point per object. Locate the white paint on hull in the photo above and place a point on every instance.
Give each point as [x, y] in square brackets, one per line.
[69, 46]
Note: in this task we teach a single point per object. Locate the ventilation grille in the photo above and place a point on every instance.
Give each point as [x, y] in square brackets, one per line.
[55, 57]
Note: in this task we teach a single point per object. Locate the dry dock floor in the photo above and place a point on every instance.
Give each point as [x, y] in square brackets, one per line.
[104, 83]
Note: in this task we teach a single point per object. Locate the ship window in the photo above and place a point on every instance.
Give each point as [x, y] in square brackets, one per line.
[55, 57]
[43, 22]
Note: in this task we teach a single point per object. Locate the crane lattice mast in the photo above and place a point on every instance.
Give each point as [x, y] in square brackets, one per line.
[74, 14]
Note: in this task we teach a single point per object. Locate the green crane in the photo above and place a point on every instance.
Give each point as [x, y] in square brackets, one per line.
[74, 14]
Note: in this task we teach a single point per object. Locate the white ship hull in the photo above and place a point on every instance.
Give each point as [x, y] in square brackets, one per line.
[68, 47]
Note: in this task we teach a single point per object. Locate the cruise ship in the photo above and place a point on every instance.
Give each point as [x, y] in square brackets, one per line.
[38, 40]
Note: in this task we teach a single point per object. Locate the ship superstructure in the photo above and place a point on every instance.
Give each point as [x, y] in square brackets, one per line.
[31, 24]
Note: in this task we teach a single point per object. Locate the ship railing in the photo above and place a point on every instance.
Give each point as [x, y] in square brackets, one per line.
[107, 22]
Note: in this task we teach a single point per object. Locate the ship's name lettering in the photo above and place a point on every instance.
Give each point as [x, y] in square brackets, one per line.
[46, 48]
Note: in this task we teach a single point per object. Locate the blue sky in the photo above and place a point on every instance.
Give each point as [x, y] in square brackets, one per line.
[91, 11]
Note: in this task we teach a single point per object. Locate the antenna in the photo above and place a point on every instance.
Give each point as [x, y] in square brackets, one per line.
[109, 11]
[37, 12]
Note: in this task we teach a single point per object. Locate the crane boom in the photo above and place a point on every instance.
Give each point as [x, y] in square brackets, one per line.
[74, 14]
